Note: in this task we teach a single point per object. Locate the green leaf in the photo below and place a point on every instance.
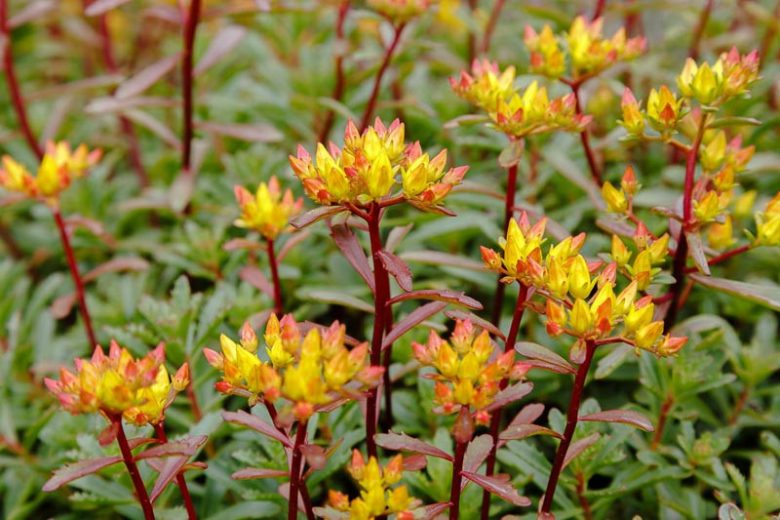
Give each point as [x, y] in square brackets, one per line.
[767, 294]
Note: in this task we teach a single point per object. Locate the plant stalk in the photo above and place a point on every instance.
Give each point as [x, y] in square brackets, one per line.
[599, 10]
[698, 32]
[132, 469]
[585, 137]
[495, 421]
[338, 65]
[190, 27]
[571, 424]
[159, 429]
[74, 273]
[295, 471]
[457, 468]
[509, 204]
[724, 256]
[13, 83]
[371, 105]
[663, 415]
[278, 307]
[495, 14]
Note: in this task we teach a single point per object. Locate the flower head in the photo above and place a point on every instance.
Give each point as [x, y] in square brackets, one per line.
[729, 76]
[547, 58]
[664, 110]
[268, 212]
[59, 167]
[139, 390]
[768, 223]
[591, 53]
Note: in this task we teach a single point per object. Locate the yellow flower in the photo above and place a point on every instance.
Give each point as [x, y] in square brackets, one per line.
[633, 120]
[721, 236]
[729, 76]
[546, 55]
[485, 85]
[663, 110]
[712, 204]
[268, 212]
[614, 198]
[713, 154]
[580, 283]
[591, 53]
[620, 253]
[768, 223]
[522, 256]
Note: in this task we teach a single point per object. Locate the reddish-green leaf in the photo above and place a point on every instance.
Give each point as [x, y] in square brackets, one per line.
[499, 486]
[576, 448]
[521, 431]
[629, 417]
[767, 294]
[182, 447]
[528, 414]
[477, 451]
[402, 442]
[442, 295]
[77, 470]
[696, 252]
[99, 7]
[223, 43]
[510, 394]
[169, 469]
[146, 77]
[315, 455]
[255, 277]
[258, 473]
[398, 269]
[534, 351]
[255, 423]
[315, 215]
[350, 247]
[413, 319]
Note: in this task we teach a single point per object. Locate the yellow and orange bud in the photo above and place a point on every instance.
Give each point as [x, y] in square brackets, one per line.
[614, 198]
[713, 155]
[485, 84]
[633, 119]
[721, 236]
[710, 206]
[268, 211]
[768, 224]
[377, 496]
[628, 182]
[547, 58]
[664, 110]
[580, 283]
[620, 253]
[591, 53]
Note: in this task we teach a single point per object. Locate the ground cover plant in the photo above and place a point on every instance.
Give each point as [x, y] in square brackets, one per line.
[389, 259]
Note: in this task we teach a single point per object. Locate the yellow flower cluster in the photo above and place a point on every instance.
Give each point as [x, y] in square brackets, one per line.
[268, 212]
[400, 11]
[58, 168]
[367, 168]
[768, 223]
[139, 390]
[729, 76]
[309, 371]
[377, 497]
[588, 51]
[468, 373]
[514, 112]
[651, 252]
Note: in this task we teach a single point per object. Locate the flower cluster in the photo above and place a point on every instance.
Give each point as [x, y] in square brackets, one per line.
[588, 51]
[377, 497]
[468, 373]
[651, 252]
[308, 370]
[59, 167]
[729, 76]
[367, 169]
[768, 223]
[400, 11]
[516, 113]
[139, 390]
[268, 212]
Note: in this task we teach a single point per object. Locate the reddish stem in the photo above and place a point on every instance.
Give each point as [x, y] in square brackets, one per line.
[585, 136]
[386, 381]
[663, 415]
[495, 14]
[382, 293]
[472, 40]
[724, 256]
[509, 204]
[278, 307]
[495, 421]
[13, 82]
[159, 429]
[338, 65]
[371, 106]
[599, 10]
[739, 405]
[132, 469]
[698, 32]
[457, 468]
[295, 471]
[190, 27]
[74, 273]
[584, 504]
[681, 253]
[571, 424]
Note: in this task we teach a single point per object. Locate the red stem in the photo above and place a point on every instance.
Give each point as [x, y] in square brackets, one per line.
[571, 424]
[495, 421]
[724, 256]
[739, 405]
[509, 204]
[472, 40]
[382, 289]
[698, 32]
[498, 6]
[278, 307]
[74, 272]
[599, 10]
[190, 27]
[13, 82]
[663, 415]
[457, 468]
[584, 504]
[295, 471]
[585, 136]
[681, 253]
[159, 429]
[386, 381]
[132, 469]
[371, 106]
[338, 88]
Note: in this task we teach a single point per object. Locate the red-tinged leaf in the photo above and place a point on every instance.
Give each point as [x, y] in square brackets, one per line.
[117, 265]
[536, 363]
[140, 441]
[528, 414]
[62, 306]
[476, 320]
[500, 487]
[237, 244]
[411, 320]
[395, 236]
[521, 431]
[93, 226]
[402, 442]
[258, 473]
[108, 435]
[315, 215]
[696, 252]
[432, 511]
[291, 242]
[60, 89]
[146, 77]
[255, 423]
[254, 133]
[155, 126]
[99, 7]
[77, 470]
[32, 11]
[535, 351]
[349, 246]
[629, 417]
[223, 43]
[415, 462]
[168, 471]
[315, 455]
[477, 451]
[255, 277]
[578, 447]
[512, 154]
[442, 295]
[438, 258]
[106, 105]
[183, 447]
[767, 294]
[510, 394]
[398, 269]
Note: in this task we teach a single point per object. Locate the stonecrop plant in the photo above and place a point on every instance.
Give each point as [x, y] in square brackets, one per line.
[312, 311]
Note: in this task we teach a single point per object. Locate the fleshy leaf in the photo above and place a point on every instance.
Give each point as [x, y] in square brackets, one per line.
[629, 417]
[402, 442]
[255, 423]
[77, 470]
[499, 486]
